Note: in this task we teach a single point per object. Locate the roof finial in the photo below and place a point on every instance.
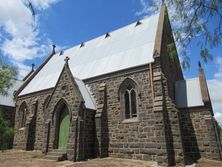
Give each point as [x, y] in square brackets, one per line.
[53, 49]
[33, 67]
[66, 59]
[163, 2]
[199, 64]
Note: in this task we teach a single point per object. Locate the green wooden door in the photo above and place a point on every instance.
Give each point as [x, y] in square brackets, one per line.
[63, 130]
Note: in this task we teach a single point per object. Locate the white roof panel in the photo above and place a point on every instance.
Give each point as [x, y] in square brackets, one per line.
[188, 93]
[7, 100]
[89, 101]
[127, 47]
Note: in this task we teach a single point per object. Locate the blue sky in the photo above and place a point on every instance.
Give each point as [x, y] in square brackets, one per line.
[66, 23]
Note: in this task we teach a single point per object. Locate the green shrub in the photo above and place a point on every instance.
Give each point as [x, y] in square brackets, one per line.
[6, 132]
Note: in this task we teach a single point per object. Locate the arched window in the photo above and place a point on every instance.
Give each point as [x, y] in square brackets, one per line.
[128, 99]
[22, 114]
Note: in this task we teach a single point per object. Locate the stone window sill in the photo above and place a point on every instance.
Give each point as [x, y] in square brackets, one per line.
[131, 120]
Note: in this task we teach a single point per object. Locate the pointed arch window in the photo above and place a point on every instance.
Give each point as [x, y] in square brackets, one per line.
[23, 113]
[128, 99]
[130, 102]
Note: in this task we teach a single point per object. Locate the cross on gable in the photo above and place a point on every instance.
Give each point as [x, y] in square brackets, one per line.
[66, 59]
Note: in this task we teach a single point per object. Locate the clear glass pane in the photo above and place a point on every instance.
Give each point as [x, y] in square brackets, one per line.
[133, 103]
[129, 87]
[23, 116]
[127, 109]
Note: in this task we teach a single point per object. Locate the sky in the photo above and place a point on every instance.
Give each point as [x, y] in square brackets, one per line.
[25, 39]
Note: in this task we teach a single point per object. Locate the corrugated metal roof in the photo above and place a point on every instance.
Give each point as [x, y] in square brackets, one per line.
[85, 91]
[188, 93]
[8, 99]
[127, 47]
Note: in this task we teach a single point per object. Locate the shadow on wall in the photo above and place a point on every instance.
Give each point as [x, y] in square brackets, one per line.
[31, 129]
[191, 149]
[169, 140]
[105, 132]
[190, 145]
[102, 133]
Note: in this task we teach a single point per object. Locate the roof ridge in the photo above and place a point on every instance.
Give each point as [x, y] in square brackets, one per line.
[111, 32]
[129, 48]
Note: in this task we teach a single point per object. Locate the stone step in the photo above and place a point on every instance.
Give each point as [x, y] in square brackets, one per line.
[57, 155]
[52, 157]
[57, 150]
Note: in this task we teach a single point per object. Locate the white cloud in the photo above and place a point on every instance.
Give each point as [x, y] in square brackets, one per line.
[43, 4]
[23, 69]
[20, 38]
[218, 75]
[219, 64]
[215, 87]
[147, 8]
[218, 116]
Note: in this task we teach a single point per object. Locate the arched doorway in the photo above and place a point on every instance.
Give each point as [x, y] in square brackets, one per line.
[63, 128]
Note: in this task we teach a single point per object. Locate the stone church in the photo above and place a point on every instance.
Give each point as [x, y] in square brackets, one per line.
[118, 95]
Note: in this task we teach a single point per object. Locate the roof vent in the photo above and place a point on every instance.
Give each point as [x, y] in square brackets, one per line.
[138, 23]
[82, 44]
[61, 53]
[107, 35]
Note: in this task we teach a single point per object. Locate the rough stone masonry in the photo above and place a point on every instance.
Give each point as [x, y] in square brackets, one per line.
[136, 114]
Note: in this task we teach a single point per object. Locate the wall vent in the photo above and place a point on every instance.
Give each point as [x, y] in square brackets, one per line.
[138, 23]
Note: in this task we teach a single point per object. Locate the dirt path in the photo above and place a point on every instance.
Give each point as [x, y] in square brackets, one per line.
[18, 158]
[208, 163]
[113, 162]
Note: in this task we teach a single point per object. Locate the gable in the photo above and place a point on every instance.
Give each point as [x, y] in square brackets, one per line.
[128, 47]
[69, 87]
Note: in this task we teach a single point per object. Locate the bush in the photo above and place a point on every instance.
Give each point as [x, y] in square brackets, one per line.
[6, 132]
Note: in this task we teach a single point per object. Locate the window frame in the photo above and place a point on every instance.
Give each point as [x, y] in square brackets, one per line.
[132, 112]
[23, 115]
[122, 91]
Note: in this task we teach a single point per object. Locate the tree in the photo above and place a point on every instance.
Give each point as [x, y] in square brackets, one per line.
[7, 73]
[219, 129]
[6, 132]
[194, 20]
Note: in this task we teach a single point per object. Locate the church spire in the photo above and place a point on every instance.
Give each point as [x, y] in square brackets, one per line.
[203, 84]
